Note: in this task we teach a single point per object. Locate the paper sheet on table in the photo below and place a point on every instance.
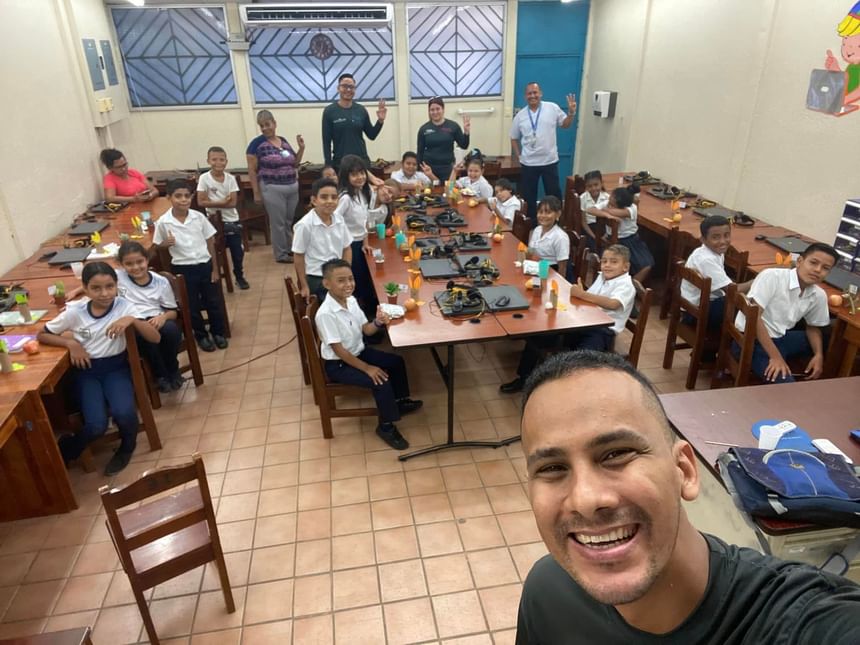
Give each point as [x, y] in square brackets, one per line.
[769, 436]
[11, 318]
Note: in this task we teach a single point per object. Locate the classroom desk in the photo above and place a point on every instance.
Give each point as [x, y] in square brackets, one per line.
[427, 327]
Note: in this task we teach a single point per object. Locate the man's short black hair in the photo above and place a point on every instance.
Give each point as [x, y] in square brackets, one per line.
[322, 182]
[564, 364]
[712, 221]
[331, 265]
[343, 76]
[176, 184]
[821, 247]
[215, 149]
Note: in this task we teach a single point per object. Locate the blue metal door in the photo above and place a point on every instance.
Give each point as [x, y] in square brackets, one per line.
[551, 51]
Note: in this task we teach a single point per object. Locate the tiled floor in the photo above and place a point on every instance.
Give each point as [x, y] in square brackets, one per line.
[326, 541]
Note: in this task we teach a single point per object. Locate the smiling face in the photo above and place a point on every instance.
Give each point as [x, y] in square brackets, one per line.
[135, 266]
[325, 201]
[813, 268]
[101, 289]
[593, 187]
[339, 283]
[436, 112]
[358, 178]
[533, 95]
[606, 482]
[409, 166]
[851, 49]
[346, 89]
[217, 161]
[474, 171]
[268, 128]
[613, 265]
[718, 239]
[386, 194]
[547, 217]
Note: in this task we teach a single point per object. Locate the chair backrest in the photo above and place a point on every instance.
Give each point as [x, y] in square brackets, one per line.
[297, 304]
[571, 215]
[177, 284]
[311, 339]
[578, 249]
[637, 325]
[522, 226]
[601, 228]
[698, 311]
[149, 484]
[740, 367]
[590, 268]
[736, 263]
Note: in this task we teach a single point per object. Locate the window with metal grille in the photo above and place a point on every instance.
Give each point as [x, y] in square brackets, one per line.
[302, 64]
[456, 50]
[174, 57]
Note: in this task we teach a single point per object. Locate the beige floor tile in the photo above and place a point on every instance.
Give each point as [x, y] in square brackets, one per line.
[313, 525]
[349, 491]
[458, 613]
[314, 470]
[518, 528]
[497, 473]
[232, 508]
[425, 481]
[438, 539]
[480, 533]
[359, 626]
[212, 611]
[277, 529]
[83, 592]
[313, 556]
[281, 453]
[277, 501]
[118, 625]
[387, 486]
[173, 616]
[280, 476]
[472, 502]
[237, 536]
[242, 481]
[409, 621]
[477, 639]
[402, 580]
[492, 567]
[313, 449]
[269, 601]
[237, 571]
[71, 621]
[272, 563]
[447, 574]
[313, 595]
[354, 518]
[313, 496]
[525, 555]
[390, 513]
[355, 588]
[354, 550]
[508, 499]
[461, 477]
[280, 430]
[505, 637]
[276, 633]
[34, 600]
[501, 605]
[396, 544]
[431, 508]
[71, 531]
[317, 630]
[223, 637]
[48, 564]
[348, 466]
[246, 458]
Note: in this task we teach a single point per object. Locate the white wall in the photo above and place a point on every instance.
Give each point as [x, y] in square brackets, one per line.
[712, 97]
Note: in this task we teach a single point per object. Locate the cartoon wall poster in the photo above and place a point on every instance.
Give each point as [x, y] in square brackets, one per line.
[833, 90]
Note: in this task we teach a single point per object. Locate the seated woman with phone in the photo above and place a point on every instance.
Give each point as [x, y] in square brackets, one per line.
[123, 185]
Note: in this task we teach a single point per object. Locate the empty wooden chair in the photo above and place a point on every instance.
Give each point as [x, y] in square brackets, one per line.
[693, 336]
[298, 307]
[325, 392]
[679, 246]
[637, 325]
[252, 217]
[522, 226]
[739, 368]
[221, 250]
[163, 538]
[736, 263]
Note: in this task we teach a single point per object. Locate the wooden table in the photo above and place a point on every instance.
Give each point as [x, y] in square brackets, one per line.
[427, 327]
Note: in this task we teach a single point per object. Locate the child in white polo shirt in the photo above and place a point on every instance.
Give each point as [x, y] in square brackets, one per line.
[410, 177]
[217, 190]
[504, 203]
[190, 238]
[321, 235]
[342, 326]
[592, 202]
[786, 296]
[622, 207]
[547, 240]
[97, 350]
[474, 181]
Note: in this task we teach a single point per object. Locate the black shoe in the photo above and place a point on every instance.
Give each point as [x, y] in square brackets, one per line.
[407, 405]
[220, 341]
[117, 463]
[176, 381]
[205, 343]
[514, 386]
[243, 283]
[68, 446]
[389, 434]
[164, 385]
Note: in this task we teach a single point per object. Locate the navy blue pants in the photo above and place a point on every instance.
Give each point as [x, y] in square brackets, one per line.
[105, 385]
[530, 176]
[715, 314]
[386, 394]
[364, 292]
[600, 339]
[202, 294]
[793, 344]
[161, 356]
[233, 240]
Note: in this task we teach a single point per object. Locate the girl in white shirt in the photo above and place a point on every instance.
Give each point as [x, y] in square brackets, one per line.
[504, 203]
[622, 208]
[93, 330]
[474, 181]
[547, 240]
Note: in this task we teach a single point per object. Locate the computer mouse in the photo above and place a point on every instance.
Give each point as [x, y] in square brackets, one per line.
[760, 237]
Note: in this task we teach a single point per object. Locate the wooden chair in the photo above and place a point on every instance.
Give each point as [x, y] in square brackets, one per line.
[522, 226]
[221, 250]
[187, 344]
[739, 368]
[571, 215]
[253, 214]
[606, 232]
[679, 246]
[637, 325]
[736, 263]
[578, 250]
[161, 539]
[590, 268]
[695, 336]
[326, 393]
[299, 308]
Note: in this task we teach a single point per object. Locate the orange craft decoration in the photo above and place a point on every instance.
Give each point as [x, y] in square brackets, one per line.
[410, 241]
[783, 260]
[395, 220]
[415, 281]
[522, 247]
[496, 221]
[553, 286]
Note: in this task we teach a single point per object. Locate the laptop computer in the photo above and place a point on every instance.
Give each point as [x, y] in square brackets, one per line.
[88, 228]
[841, 279]
[788, 244]
[826, 91]
[503, 298]
[67, 256]
[432, 268]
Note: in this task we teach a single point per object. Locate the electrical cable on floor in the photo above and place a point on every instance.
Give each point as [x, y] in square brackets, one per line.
[251, 360]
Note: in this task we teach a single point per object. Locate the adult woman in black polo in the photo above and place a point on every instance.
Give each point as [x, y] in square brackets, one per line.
[437, 137]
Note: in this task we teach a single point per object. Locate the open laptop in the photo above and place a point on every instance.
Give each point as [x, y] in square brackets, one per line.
[826, 91]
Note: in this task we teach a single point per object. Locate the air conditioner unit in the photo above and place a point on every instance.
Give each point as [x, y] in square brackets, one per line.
[316, 15]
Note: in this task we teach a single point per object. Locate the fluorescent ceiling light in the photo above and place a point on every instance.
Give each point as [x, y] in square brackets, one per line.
[139, 3]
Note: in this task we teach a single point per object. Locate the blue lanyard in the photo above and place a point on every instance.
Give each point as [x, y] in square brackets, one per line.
[534, 121]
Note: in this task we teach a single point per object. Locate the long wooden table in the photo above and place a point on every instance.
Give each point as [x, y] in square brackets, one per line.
[428, 327]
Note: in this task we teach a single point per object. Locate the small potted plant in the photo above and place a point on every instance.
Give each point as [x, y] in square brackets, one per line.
[5, 359]
[60, 294]
[391, 288]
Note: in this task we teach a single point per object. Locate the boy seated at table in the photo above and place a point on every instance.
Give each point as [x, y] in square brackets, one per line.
[321, 235]
[612, 291]
[504, 203]
[410, 177]
[709, 260]
[217, 190]
[787, 296]
[548, 241]
[592, 201]
[341, 325]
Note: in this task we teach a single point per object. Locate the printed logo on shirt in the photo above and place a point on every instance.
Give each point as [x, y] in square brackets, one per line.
[121, 291]
[84, 332]
[429, 131]
[342, 119]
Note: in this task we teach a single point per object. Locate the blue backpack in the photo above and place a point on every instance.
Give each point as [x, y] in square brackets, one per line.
[793, 485]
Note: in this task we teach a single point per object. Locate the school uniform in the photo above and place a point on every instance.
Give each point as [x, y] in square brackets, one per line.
[628, 235]
[710, 265]
[536, 131]
[319, 242]
[481, 187]
[554, 245]
[783, 305]
[418, 178]
[338, 324]
[153, 299]
[355, 212]
[219, 191]
[509, 208]
[586, 201]
[107, 383]
[190, 258]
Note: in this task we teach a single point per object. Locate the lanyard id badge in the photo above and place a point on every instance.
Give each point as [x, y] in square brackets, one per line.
[530, 139]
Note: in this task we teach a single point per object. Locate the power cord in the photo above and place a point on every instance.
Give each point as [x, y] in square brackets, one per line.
[251, 360]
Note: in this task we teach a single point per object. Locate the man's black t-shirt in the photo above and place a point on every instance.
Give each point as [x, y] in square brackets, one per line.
[750, 598]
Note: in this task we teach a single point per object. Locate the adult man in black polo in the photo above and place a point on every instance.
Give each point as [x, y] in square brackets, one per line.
[606, 478]
[533, 141]
[345, 122]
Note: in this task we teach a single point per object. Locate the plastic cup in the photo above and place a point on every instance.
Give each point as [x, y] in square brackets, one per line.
[145, 216]
[380, 231]
[77, 269]
[543, 269]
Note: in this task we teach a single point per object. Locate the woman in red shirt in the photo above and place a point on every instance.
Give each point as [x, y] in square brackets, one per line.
[123, 184]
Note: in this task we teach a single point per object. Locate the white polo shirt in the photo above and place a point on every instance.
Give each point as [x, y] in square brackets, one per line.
[783, 304]
[337, 324]
[320, 242]
[509, 208]
[418, 178]
[191, 236]
[710, 265]
[627, 227]
[152, 298]
[621, 289]
[586, 201]
[554, 245]
[481, 187]
[218, 191]
[536, 133]
[91, 331]
[355, 213]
